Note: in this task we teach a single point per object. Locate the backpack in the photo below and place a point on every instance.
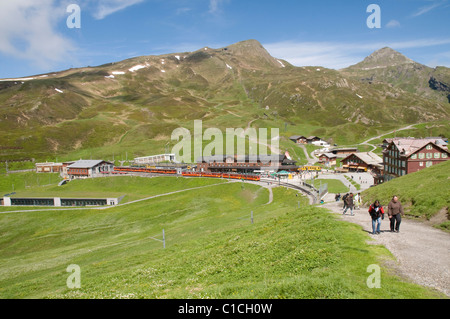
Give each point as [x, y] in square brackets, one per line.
[345, 197]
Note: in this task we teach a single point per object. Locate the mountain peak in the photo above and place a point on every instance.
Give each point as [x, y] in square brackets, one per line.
[383, 57]
[253, 52]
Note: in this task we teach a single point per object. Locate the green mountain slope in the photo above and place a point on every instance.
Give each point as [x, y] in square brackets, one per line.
[134, 105]
[389, 66]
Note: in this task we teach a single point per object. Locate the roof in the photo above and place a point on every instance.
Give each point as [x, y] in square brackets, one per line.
[329, 155]
[408, 146]
[86, 163]
[369, 158]
[49, 164]
[344, 149]
[313, 137]
[296, 137]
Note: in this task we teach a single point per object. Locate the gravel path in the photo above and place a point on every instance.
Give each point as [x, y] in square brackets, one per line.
[422, 252]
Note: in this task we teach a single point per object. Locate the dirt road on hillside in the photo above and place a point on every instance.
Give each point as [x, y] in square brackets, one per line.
[422, 252]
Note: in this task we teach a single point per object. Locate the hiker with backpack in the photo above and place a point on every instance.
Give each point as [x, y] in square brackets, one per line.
[349, 204]
[344, 199]
[376, 212]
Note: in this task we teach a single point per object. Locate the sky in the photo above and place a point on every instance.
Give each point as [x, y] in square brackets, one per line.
[44, 36]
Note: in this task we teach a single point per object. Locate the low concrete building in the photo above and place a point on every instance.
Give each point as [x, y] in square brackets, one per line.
[60, 202]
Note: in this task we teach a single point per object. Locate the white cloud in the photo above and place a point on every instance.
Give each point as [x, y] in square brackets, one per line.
[107, 7]
[28, 31]
[336, 55]
[426, 9]
[214, 6]
[393, 24]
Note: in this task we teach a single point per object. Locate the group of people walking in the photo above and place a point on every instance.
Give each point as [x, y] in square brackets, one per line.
[395, 213]
[376, 211]
[350, 202]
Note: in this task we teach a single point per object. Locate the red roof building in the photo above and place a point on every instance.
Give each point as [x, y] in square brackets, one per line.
[406, 155]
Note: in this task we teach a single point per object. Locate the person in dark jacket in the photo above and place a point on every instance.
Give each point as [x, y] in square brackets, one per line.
[395, 213]
[349, 204]
[376, 211]
[344, 199]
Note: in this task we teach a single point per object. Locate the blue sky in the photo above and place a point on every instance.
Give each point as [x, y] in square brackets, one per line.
[34, 37]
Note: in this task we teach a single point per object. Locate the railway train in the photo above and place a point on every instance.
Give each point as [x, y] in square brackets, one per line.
[250, 177]
[310, 168]
[145, 170]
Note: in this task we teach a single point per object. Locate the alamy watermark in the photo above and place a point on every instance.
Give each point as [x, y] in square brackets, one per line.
[74, 19]
[374, 280]
[374, 20]
[235, 139]
[74, 279]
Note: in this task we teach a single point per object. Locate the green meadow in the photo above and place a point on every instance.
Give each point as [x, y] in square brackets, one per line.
[213, 250]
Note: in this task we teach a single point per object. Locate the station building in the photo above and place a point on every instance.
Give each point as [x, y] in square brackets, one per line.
[248, 164]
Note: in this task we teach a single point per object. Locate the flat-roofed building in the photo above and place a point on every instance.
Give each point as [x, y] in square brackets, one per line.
[155, 159]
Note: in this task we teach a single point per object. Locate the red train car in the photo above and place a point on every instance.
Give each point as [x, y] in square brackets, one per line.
[223, 175]
[145, 170]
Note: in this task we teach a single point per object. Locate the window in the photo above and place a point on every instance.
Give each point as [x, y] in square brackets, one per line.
[437, 155]
[414, 156]
[429, 163]
[421, 155]
[429, 155]
[444, 155]
[429, 147]
[421, 164]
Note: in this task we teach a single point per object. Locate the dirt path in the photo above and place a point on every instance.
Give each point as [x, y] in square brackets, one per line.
[374, 147]
[422, 252]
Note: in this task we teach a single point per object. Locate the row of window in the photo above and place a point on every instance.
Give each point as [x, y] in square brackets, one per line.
[401, 171]
[394, 162]
[394, 170]
[429, 155]
[77, 171]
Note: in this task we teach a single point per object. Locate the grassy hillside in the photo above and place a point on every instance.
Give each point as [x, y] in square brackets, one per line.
[212, 249]
[424, 194]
